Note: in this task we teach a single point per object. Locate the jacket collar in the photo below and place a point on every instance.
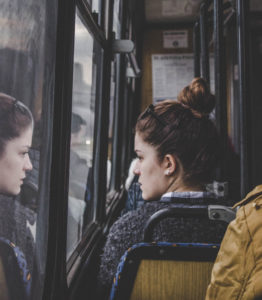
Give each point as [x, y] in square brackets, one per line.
[190, 197]
[257, 191]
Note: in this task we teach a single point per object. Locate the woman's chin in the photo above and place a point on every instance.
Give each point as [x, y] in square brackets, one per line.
[144, 196]
[9, 193]
[14, 192]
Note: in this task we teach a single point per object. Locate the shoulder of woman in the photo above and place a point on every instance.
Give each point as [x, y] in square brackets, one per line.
[252, 196]
[134, 219]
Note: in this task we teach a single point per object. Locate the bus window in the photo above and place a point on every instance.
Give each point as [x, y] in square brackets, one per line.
[113, 110]
[111, 122]
[87, 57]
[27, 65]
[96, 6]
[116, 19]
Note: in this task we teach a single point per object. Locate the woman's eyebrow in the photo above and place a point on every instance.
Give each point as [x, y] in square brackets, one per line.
[26, 146]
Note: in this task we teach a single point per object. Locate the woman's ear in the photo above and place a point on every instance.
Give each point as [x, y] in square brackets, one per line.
[169, 164]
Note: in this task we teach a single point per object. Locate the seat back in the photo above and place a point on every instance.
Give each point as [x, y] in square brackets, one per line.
[180, 279]
[15, 279]
[164, 271]
[4, 294]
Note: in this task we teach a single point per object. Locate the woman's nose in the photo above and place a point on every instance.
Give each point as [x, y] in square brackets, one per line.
[28, 164]
[136, 170]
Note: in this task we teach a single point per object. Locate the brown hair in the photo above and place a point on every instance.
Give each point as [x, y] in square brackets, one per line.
[188, 134]
[15, 118]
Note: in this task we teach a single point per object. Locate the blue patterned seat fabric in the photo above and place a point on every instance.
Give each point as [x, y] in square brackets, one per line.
[21, 262]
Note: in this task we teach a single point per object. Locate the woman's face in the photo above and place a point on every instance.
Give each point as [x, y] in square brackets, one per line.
[151, 172]
[14, 163]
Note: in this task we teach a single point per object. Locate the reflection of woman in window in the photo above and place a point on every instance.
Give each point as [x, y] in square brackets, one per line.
[16, 128]
[78, 184]
[78, 165]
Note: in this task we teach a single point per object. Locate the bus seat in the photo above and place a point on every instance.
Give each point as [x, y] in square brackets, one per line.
[4, 295]
[163, 271]
[15, 279]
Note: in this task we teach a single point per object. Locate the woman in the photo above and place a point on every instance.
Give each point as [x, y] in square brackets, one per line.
[16, 128]
[237, 271]
[177, 149]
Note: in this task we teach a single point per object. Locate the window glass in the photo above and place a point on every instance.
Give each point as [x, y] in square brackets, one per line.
[87, 60]
[113, 91]
[96, 6]
[111, 122]
[116, 19]
[27, 51]
[97, 11]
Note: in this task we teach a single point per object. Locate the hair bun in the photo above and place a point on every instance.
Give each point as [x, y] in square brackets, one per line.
[197, 97]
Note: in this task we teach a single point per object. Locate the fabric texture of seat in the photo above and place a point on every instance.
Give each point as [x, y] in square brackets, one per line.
[17, 276]
[164, 270]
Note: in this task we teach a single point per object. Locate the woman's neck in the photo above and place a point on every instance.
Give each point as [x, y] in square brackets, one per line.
[178, 185]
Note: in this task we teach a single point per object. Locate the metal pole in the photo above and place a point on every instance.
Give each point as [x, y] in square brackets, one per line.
[220, 85]
[242, 41]
[196, 46]
[204, 43]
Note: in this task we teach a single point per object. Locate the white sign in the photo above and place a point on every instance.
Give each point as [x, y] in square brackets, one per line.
[170, 73]
[175, 39]
[180, 7]
[174, 8]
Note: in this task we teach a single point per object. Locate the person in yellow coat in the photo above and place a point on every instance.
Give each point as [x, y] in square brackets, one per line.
[237, 272]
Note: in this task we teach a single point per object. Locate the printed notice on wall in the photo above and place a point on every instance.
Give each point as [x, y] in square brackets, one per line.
[178, 7]
[170, 73]
[175, 39]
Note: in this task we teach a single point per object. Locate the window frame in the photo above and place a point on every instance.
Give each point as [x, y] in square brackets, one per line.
[100, 128]
[63, 279]
[60, 276]
[121, 150]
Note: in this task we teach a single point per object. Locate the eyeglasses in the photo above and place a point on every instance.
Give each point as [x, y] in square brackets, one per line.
[19, 106]
[150, 110]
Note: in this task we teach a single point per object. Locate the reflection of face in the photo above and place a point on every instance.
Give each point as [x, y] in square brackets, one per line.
[150, 171]
[79, 137]
[14, 163]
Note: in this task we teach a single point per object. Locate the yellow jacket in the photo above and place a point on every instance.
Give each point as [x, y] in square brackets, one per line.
[237, 272]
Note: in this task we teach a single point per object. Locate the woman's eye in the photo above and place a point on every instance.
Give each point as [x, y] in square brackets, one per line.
[138, 157]
[25, 153]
